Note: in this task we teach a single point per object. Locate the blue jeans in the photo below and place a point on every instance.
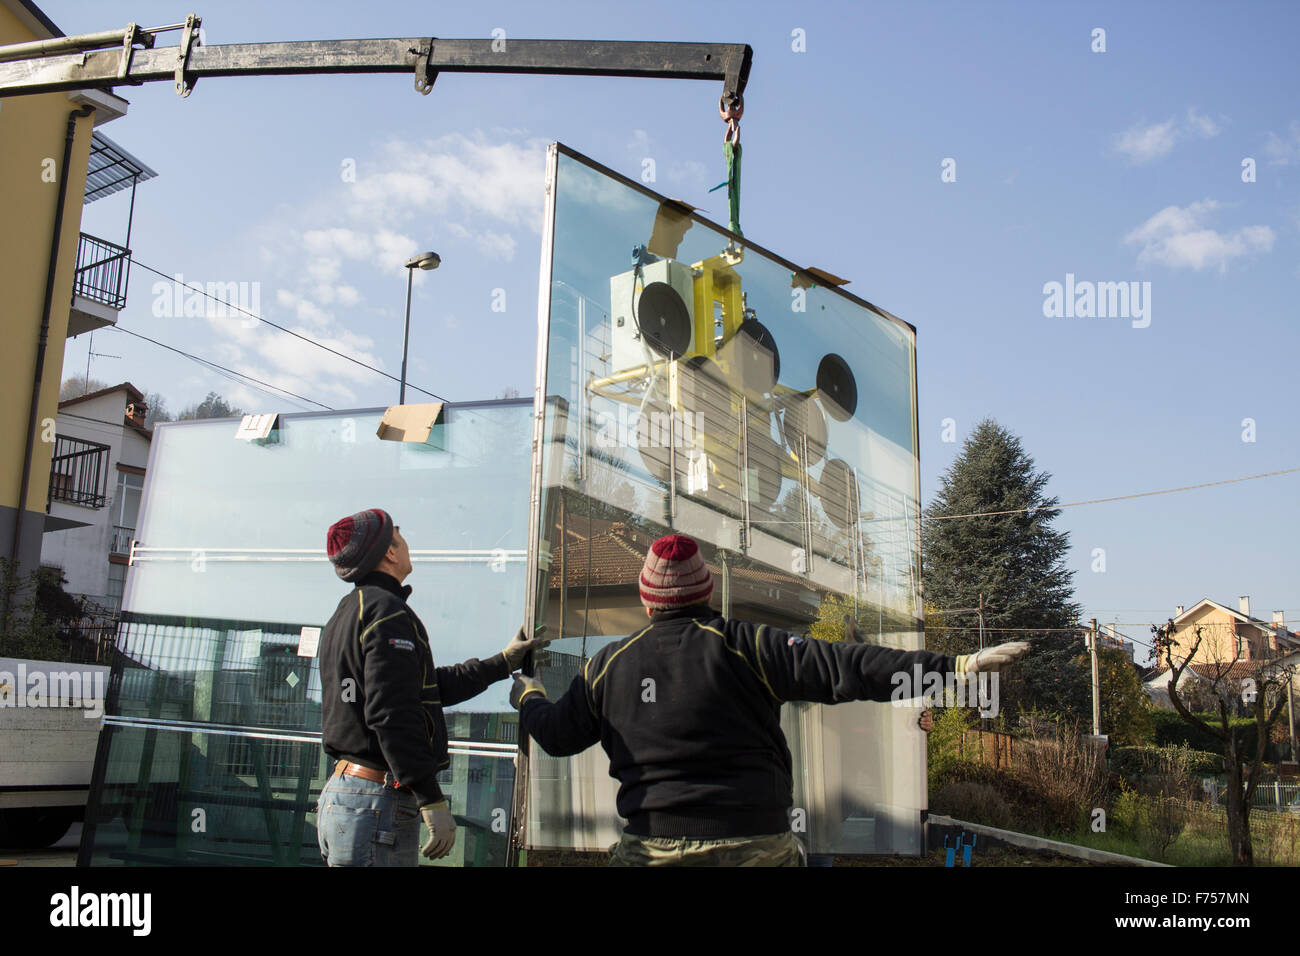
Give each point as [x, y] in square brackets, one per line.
[363, 823]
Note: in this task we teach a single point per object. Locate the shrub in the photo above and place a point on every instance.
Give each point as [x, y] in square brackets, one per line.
[1153, 819]
[1068, 774]
[974, 803]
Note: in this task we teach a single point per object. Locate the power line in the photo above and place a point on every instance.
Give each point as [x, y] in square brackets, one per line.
[297, 335]
[222, 368]
[1097, 501]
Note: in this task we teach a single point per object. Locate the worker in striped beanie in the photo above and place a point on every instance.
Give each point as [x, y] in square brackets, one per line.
[674, 575]
[688, 710]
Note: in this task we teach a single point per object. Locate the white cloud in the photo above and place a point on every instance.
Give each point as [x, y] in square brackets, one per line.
[1141, 144]
[1145, 144]
[454, 189]
[1285, 149]
[454, 177]
[1181, 238]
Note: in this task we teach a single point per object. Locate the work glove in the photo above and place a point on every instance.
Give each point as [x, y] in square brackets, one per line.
[442, 829]
[520, 645]
[991, 658]
[522, 687]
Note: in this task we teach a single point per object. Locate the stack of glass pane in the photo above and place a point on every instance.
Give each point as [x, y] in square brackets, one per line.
[211, 748]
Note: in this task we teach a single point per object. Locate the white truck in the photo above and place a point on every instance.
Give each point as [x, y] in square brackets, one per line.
[50, 717]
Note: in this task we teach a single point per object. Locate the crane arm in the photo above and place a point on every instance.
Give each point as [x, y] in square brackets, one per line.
[50, 70]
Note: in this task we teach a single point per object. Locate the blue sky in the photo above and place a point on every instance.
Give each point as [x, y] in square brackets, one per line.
[1115, 166]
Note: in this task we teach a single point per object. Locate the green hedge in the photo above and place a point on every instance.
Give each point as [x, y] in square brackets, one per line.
[1131, 762]
[1171, 730]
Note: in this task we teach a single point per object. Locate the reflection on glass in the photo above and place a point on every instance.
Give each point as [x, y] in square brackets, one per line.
[213, 708]
[696, 383]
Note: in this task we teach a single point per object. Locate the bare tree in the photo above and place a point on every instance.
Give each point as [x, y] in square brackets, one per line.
[1264, 701]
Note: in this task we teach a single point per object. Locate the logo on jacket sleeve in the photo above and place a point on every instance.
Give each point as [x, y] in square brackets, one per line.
[401, 643]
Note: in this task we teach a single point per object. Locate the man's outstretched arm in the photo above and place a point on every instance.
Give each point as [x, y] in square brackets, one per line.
[797, 668]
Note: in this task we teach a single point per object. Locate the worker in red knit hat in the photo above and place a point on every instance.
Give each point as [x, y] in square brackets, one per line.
[381, 705]
[689, 711]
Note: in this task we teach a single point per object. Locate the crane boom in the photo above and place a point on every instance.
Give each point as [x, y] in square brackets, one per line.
[423, 57]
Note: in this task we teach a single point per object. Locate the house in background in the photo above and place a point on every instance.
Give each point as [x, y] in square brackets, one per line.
[1228, 635]
[1111, 639]
[101, 450]
[58, 281]
[1234, 647]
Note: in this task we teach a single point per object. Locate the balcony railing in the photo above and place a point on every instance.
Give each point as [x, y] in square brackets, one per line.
[102, 271]
[121, 543]
[79, 472]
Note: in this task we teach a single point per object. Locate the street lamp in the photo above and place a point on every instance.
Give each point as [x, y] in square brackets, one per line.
[425, 260]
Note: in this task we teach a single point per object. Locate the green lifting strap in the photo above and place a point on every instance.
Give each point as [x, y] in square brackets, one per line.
[732, 152]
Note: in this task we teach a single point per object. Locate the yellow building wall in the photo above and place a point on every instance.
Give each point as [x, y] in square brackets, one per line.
[1218, 643]
[32, 134]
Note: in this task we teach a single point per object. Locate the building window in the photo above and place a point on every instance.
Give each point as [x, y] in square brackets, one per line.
[116, 585]
[126, 511]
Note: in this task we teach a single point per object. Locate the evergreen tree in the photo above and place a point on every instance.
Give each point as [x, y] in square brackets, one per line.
[214, 406]
[1016, 561]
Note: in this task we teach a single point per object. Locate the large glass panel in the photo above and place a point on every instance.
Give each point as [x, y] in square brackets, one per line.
[694, 382]
[216, 700]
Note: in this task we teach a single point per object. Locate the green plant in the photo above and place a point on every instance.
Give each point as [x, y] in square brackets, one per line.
[944, 744]
[38, 615]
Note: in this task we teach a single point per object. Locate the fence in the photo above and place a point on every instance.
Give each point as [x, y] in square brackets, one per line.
[989, 746]
[1269, 795]
[91, 640]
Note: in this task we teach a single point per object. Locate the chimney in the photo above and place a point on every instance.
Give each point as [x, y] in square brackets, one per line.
[1243, 604]
[1279, 619]
[1178, 610]
[136, 412]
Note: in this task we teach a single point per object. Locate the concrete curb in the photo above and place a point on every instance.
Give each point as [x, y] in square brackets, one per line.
[1038, 843]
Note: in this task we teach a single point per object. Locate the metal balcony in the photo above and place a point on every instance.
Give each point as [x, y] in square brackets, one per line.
[79, 472]
[99, 286]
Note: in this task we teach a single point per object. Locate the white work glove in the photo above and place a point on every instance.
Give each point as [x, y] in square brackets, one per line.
[442, 829]
[520, 645]
[522, 687]
[992, 658]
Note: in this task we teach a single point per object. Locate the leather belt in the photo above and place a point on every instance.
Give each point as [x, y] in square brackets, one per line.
[349, 769]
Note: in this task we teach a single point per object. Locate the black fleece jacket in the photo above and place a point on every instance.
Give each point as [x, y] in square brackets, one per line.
[382, 696]
[689, 712]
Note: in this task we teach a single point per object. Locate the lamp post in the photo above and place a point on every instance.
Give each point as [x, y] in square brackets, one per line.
[425, 260]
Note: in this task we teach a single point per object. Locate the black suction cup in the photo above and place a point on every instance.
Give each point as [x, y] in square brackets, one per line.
[662, 319]
[803, 417]
[837, 387]
[760, 350]
[837, 491]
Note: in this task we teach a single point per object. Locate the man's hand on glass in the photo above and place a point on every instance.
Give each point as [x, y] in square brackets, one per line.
[521, 644]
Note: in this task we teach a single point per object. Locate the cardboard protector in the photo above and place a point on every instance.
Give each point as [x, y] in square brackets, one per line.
[812, 276]
[412, 423]
[259, 428]
[671, 222]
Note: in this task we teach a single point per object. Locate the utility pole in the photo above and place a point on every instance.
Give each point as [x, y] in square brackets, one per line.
[981, 610]
[1096, 680]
